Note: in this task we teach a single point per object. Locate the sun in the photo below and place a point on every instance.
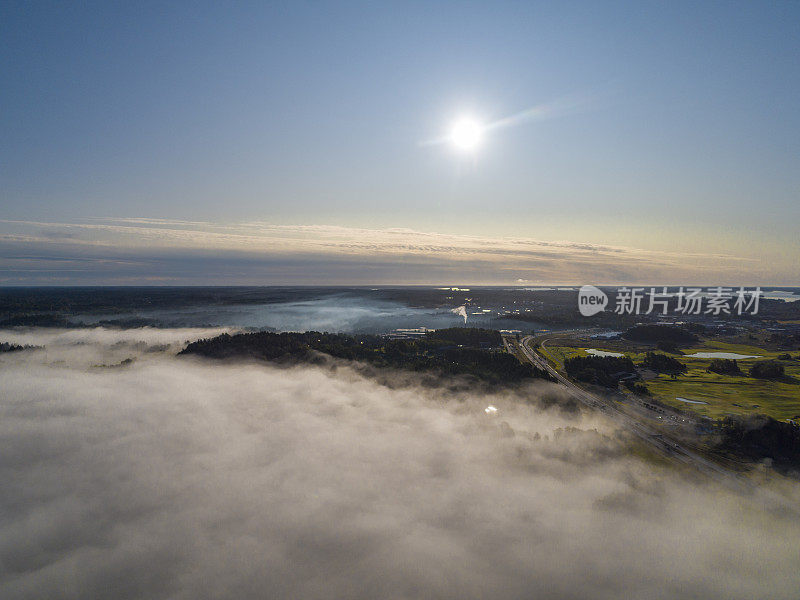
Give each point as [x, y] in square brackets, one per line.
[466, 134]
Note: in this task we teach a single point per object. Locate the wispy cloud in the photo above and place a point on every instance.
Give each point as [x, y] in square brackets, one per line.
[124, 249]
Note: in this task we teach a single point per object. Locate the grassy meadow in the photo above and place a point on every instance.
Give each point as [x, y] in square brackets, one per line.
[723, 394]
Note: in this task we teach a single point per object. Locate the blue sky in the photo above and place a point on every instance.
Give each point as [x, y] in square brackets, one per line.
[685, 139]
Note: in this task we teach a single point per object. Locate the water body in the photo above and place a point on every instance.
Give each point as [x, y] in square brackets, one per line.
[594, 352]
[730, 355]
[346, 310]
[334, 314]
[690, 401]
[786, 296]
[607, 335]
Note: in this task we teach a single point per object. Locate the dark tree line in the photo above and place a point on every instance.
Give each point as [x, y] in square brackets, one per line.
[660, 333]
[637, 388]
[661, 363]
[9, 347]
[466, 336]
[724, 366]
[785, 340]
[767, 369]
[599, 370]
[756, 437]
[457, 351]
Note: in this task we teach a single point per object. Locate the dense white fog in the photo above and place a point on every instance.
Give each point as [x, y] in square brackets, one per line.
[180, 478]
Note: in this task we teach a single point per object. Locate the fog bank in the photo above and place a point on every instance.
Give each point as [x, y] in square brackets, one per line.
[179, 478]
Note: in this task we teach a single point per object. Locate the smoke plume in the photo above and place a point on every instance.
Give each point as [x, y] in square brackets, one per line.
[461, 311]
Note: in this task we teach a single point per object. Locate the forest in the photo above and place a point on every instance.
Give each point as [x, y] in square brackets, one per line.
[453, 351]
[599, 370]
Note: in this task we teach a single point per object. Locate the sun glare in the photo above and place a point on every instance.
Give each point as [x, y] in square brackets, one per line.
[466, 134]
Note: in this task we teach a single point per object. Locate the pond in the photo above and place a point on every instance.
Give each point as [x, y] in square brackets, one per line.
[690, 401]
[594, 352]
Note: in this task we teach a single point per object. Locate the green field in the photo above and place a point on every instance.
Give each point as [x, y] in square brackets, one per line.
[556, 355]
[724, 394]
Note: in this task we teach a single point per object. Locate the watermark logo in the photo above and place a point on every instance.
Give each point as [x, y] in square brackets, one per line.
[591, 300]
[714, 301]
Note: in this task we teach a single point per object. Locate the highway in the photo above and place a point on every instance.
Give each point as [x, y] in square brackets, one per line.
[656, 438]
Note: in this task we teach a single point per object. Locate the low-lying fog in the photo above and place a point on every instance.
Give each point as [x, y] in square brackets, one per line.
[332, 312]
[326, 312]
[179, 478]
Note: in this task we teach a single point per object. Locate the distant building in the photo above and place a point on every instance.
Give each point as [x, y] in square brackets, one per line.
[408, 333]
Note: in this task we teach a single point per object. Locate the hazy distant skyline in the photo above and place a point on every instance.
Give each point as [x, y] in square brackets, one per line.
[238, 143]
